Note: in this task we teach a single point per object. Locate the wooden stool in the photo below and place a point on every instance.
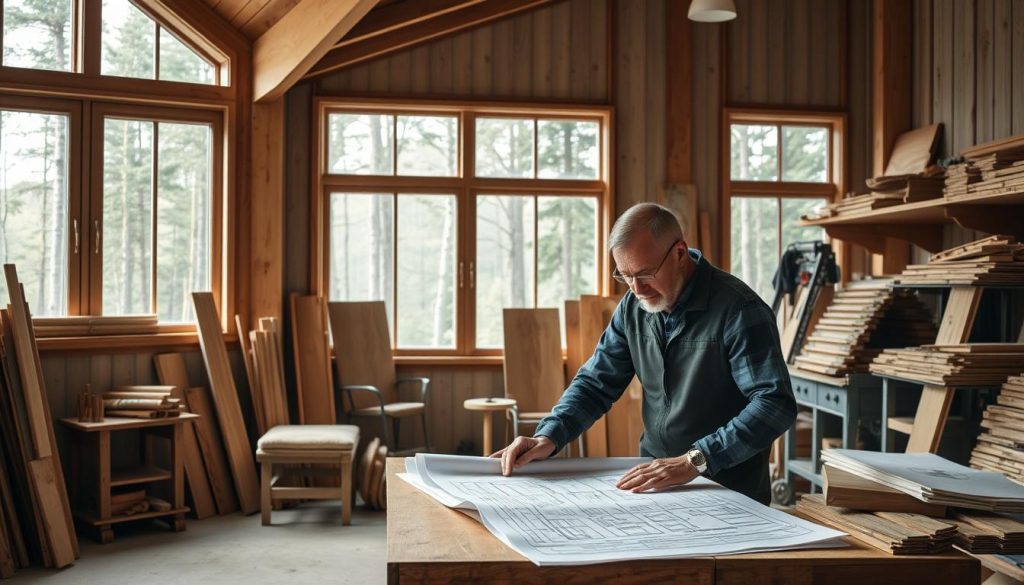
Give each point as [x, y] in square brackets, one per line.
[306, 444]
[487, 406]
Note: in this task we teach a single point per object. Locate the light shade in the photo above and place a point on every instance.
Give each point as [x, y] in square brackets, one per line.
[712, 10]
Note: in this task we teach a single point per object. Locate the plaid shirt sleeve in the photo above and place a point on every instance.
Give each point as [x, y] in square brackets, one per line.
[751, 341]
[598, 384]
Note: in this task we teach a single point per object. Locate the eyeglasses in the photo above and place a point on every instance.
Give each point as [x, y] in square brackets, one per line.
[644, 278]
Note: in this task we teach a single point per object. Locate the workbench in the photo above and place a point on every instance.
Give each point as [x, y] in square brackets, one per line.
[429, 543]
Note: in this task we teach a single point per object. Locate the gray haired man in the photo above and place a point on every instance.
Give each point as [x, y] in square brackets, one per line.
[706, 350]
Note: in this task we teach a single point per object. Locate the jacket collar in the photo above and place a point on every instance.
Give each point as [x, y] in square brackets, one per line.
[694, 297]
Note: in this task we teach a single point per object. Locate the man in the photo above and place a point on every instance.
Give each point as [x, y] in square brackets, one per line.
[706, 350]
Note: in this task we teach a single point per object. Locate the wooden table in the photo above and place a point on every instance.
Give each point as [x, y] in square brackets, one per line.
[428, 543]
[487, 407]
[95, 511]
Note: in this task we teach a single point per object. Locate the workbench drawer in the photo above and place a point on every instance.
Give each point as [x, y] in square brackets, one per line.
[832, 398]
[805, 392]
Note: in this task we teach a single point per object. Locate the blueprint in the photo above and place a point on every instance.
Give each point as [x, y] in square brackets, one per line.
[562, 512]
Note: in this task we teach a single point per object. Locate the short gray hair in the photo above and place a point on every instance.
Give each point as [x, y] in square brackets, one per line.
[659, 221]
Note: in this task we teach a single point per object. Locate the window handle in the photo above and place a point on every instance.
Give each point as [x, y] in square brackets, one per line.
[472, 273]
[461, 279]
[96, 236]
[78, 235]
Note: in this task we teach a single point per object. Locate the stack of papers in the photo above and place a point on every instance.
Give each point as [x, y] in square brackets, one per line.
[569, 512]
[932, 479]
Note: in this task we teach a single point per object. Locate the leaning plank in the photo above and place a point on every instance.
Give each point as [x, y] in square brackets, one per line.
[170, 369]
[45, 470]
[225, 398]
[210, 444]
[312, 360]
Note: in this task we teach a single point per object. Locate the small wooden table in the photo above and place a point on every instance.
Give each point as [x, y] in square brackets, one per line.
[428, 543]
[487, 407]
[95, 510]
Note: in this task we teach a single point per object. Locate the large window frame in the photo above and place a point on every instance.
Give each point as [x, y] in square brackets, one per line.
[86, 96]
[466, 188]
[830, 190]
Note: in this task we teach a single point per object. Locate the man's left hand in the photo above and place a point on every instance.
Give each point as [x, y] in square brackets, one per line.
[658, 475]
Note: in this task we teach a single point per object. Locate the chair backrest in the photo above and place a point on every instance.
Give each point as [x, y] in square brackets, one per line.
[534, 375]
[362, 349]
[314, 386]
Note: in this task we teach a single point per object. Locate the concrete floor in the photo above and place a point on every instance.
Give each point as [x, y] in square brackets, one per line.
[305, 545]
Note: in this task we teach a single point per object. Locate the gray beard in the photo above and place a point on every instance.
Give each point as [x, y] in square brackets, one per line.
[662, 306]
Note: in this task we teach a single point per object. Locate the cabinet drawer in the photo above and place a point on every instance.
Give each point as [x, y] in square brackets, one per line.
[832, 398]
[805, 392]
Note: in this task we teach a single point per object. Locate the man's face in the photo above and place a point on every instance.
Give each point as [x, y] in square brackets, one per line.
[641, 257]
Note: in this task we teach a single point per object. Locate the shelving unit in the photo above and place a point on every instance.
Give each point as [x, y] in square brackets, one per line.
[91, 464]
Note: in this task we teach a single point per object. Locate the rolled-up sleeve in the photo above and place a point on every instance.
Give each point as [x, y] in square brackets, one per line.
[751, 341]
[598, 384]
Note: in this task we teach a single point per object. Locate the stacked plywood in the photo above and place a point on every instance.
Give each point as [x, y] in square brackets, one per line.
[996, 260]
[35, 516]
[893, 532]
[856, 204]
[982, 533]
[864, 318]
[1000, 446]
[968, 364]
[849, 490]
[992, 168]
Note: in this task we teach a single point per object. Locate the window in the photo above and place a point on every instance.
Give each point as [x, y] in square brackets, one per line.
[450, 214]
[44, 34]
[781, 167]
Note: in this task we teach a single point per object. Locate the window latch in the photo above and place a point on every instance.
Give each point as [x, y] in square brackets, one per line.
[78, 235]
[461, 279]
[96, 236]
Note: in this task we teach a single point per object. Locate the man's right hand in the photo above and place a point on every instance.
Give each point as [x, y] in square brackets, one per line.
[522, 451]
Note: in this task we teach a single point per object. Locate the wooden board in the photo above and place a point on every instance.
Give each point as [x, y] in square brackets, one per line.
[314, 386]
[846, 490]
[210, 444]
[171, 370]
[592, 324]
[533, 358]
[362, 349]
[913, 151]
[225, 397]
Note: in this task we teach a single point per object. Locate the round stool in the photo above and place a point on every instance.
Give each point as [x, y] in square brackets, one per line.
[487, 407]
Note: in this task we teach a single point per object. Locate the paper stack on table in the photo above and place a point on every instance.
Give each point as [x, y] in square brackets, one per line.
[569, 512]
[933, 479]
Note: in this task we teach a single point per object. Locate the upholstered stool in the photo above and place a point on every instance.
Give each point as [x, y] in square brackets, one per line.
[306, 444]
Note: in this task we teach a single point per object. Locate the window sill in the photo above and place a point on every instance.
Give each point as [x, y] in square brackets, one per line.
[106, 344]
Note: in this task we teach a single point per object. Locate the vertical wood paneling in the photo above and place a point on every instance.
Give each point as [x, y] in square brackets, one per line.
[985, 69]
[561, 53]
[922, 60]
[706, 75]
[776, 51]
[630, 97]
[1017, 57]
[441, 69]
[520, 57]
[483, 48]
[462, 65]
[964, 70]
[942, 67]
[579, 47]
[654, 110]
[1002, 67]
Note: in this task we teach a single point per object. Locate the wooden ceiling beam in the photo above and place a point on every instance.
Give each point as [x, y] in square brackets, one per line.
[287, 51]
[387, 33]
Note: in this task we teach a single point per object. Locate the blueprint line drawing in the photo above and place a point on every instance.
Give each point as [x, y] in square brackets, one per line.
[559, 514]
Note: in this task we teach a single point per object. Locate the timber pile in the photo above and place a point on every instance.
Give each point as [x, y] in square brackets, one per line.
[863, 319]
[996, 260]
[967, 364]
[94, 325]
[988, 534]
[35, 517]
[264, 365]
[992, 168]
[1000, 445]
[142, 402]
[849, 490]
[893, 532]
[854, 204]
[372, 482]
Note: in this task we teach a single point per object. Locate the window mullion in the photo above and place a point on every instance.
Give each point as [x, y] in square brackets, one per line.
[154, 219]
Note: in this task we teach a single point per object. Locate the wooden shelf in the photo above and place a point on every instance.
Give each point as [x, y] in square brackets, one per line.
[93, 520]
[138, 475]
[905, 424]
[921, 222]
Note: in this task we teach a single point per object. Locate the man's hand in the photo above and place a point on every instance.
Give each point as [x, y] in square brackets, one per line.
[658, 475]
[522, 451]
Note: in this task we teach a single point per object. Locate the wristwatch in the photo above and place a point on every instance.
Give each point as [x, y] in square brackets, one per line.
[697, 459]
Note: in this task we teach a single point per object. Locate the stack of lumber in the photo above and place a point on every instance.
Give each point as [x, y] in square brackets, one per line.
[94, 325]
[237, 447]
[966, 364]
[996, 260]
[1000, 446]
[911, 188]
[897, 533]
[35, 516]
[141, 402]
[372, 482]
[856, 204]
[862, 319]
[989, 534]
[992, 168]
[933, 479]
[848, 490]
[264, 365]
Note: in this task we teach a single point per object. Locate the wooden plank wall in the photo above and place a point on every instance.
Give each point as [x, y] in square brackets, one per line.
[556, 52]
[968, 59]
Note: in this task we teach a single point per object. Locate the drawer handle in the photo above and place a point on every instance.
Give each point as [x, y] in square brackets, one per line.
[828, 397]
[836, 399]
